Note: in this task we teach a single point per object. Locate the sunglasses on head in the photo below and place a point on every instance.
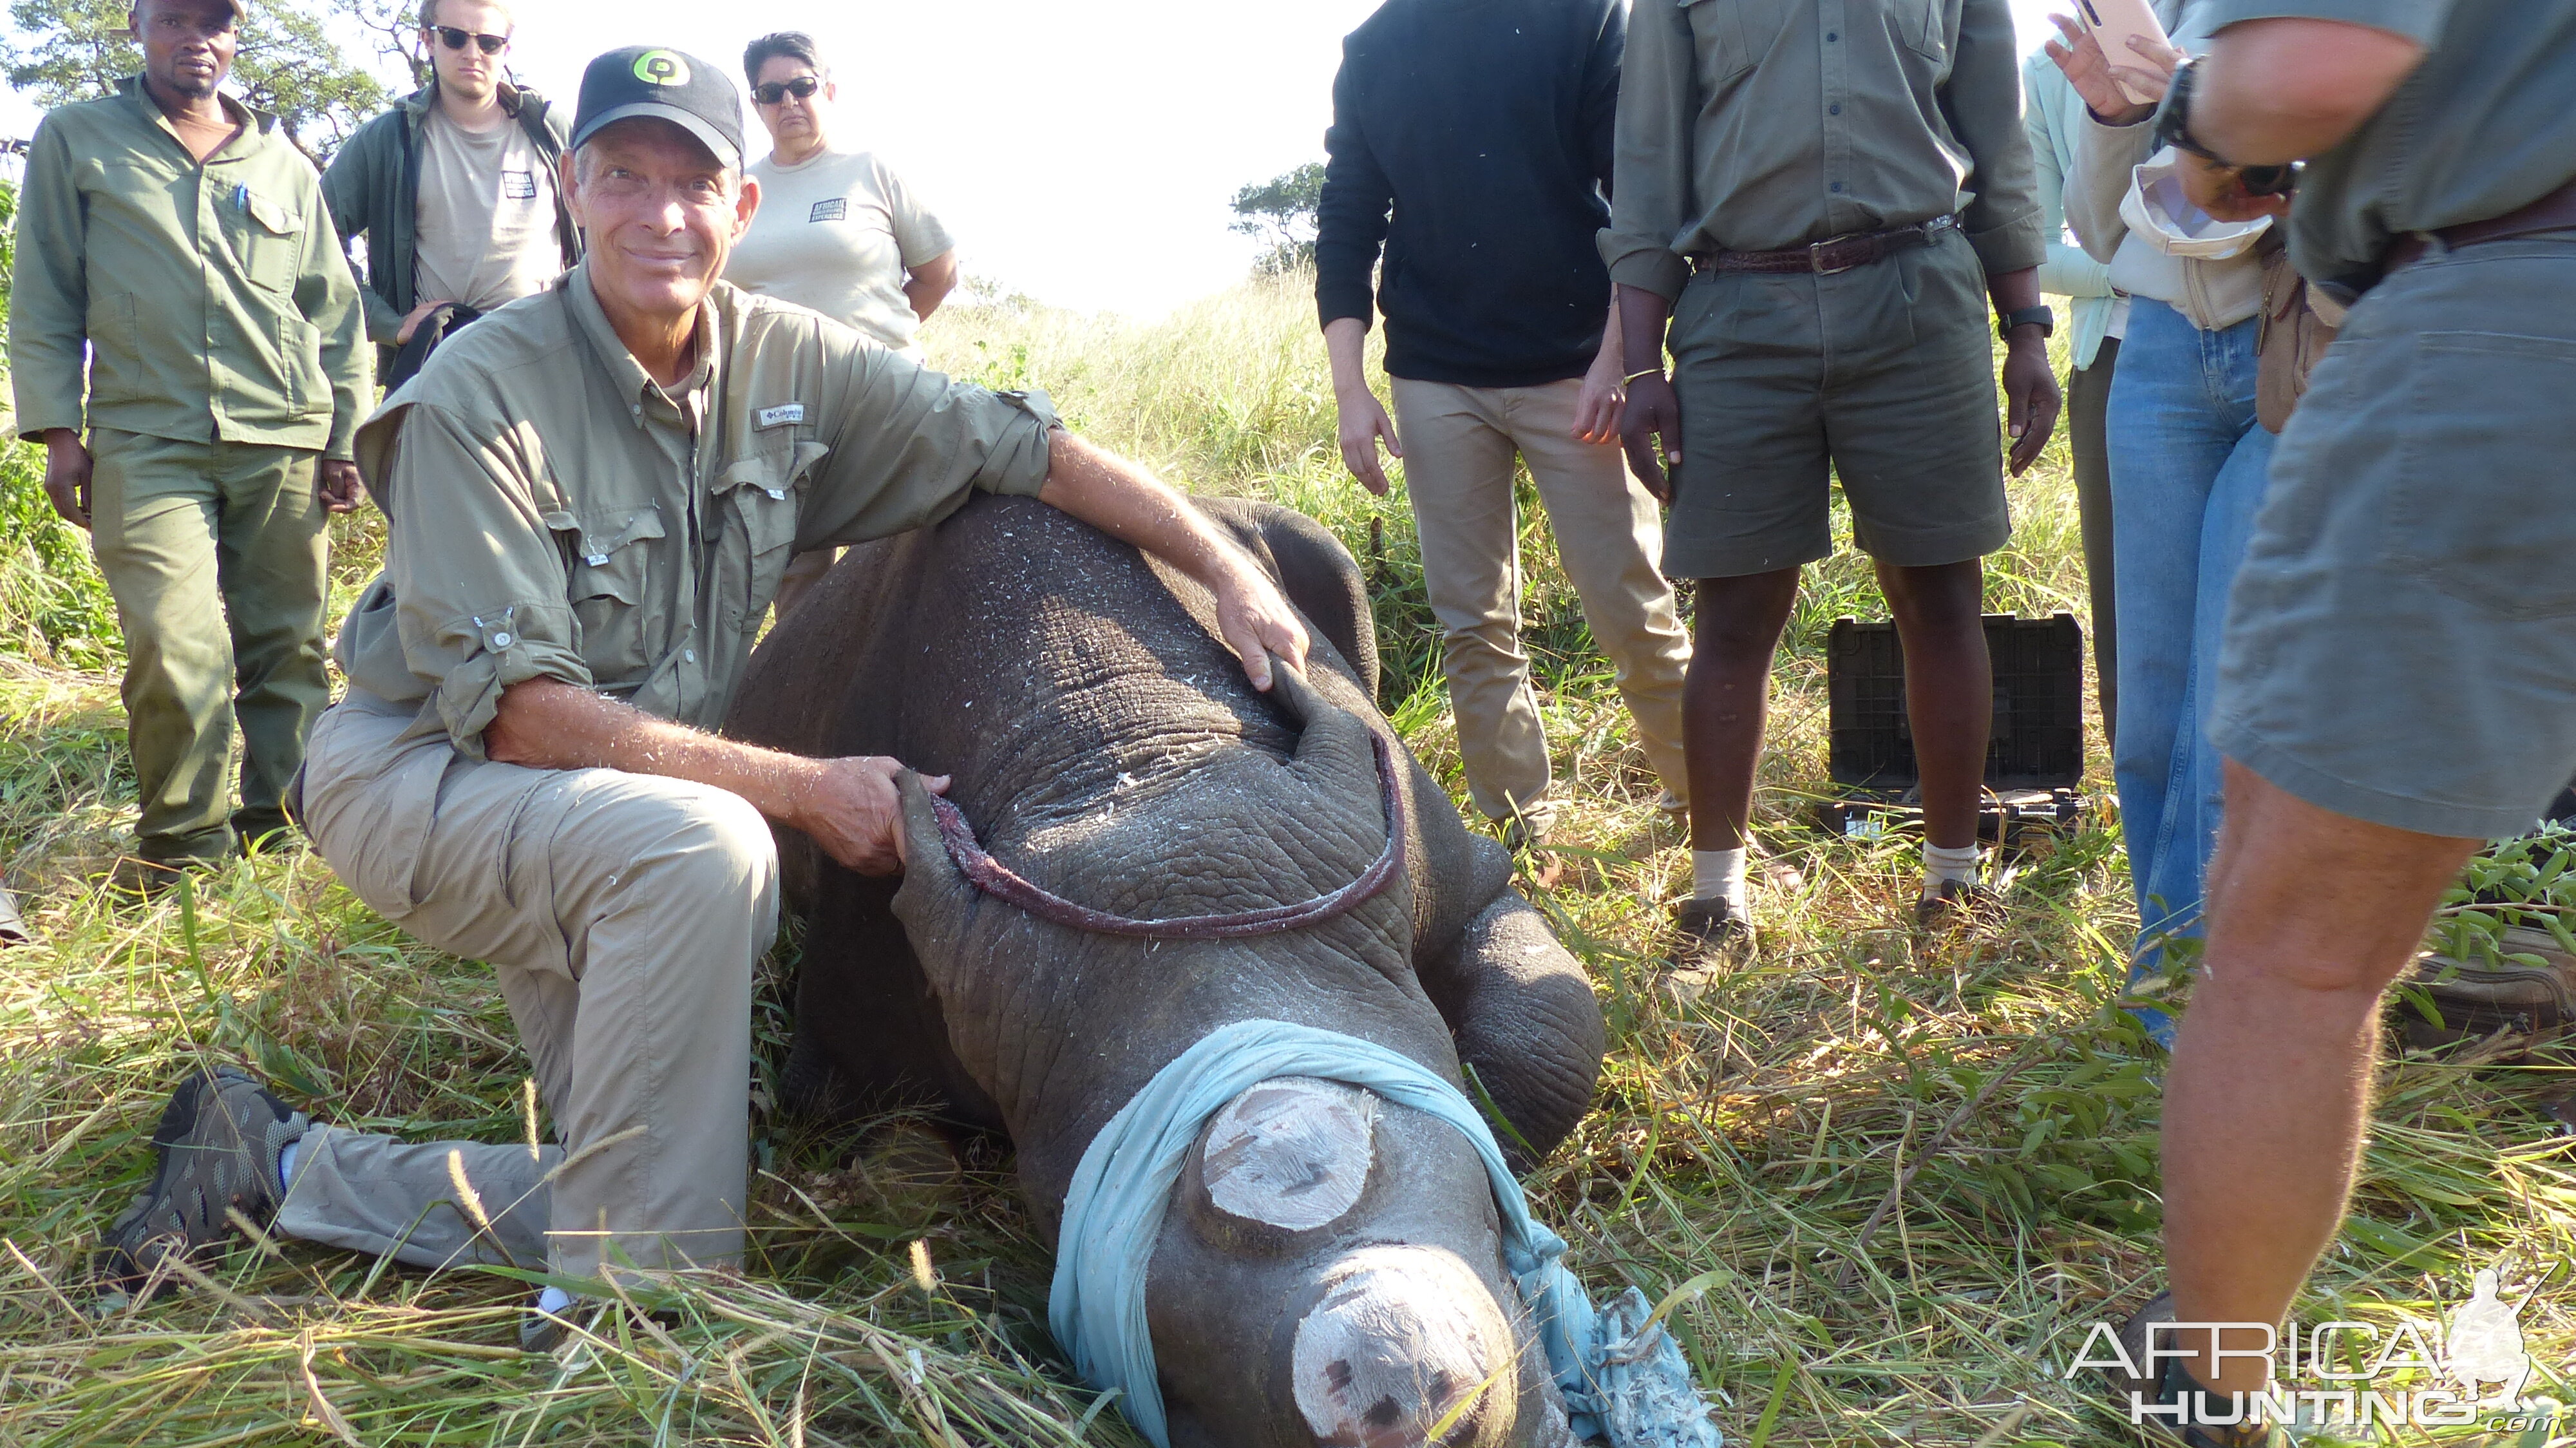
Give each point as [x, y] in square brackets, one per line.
[454, 39]
[802, 87]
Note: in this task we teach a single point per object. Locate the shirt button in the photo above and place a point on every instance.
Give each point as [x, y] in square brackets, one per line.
[1834, 109]
[1837, 186]
[688, 656]
[501, 640]
[1829, 35]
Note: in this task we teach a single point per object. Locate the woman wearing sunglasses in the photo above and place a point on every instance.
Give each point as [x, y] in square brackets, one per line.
[836, 231]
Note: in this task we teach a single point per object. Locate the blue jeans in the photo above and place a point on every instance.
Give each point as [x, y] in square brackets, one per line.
[2187, 469]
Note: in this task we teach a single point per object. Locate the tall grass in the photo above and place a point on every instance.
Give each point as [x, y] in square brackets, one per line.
[1903, 1173]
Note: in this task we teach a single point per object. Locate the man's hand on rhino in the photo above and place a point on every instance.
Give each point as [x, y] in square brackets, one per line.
[1258, 623]
[851, 808]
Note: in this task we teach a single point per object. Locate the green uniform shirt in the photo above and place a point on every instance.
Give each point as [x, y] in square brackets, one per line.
[555, 514]
[2487, 125]
[1754, 125]
[212, 298]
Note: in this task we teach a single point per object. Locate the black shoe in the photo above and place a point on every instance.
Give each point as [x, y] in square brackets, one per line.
[219, 1141]
[145, 880]
[2171, 1384]
[1952, 905]
[1709, 932]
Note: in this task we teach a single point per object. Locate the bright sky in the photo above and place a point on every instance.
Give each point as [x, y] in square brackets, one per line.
[1082, 152]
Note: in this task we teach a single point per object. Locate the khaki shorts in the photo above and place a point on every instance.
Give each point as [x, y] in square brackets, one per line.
[2401, 641]
[1883, 376]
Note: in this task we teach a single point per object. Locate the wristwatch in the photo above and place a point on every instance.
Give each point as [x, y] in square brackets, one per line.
[2173, 115]
[2040, 317]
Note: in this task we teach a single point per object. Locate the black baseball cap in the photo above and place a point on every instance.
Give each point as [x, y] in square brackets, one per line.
[655, 80]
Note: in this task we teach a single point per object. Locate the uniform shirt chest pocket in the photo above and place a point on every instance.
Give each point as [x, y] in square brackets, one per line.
[267, 238]
[1730, 37]
[768, 493]
[611, 565]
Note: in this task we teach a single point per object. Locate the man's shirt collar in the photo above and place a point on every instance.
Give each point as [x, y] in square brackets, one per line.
[635, 385]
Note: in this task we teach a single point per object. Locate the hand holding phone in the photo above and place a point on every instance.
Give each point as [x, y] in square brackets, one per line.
[2134, 44]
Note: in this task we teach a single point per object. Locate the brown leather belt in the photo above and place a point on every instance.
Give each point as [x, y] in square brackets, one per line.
[2553, 212]
[1833, 254]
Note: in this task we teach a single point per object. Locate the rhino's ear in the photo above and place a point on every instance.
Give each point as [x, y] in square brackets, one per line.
[934, 894]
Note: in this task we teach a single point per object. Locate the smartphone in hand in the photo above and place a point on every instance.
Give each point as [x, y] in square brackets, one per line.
[2113, 22]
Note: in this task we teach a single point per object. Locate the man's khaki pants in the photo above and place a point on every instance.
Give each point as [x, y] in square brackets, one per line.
[215, 553]
[623, 915]
[1459, 446]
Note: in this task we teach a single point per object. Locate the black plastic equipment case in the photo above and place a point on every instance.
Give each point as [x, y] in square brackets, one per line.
[2033, 765]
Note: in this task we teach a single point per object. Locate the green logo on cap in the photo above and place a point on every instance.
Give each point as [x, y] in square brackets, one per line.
[661, 67]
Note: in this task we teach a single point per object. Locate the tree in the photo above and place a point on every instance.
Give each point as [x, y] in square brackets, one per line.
[288, 64]
[1281, 211]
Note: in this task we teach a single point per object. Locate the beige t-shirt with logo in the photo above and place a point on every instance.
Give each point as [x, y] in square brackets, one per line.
[835, 233]
[484, 229]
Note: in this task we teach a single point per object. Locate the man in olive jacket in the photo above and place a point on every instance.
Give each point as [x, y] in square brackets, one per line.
[174, 240]
[454, 188]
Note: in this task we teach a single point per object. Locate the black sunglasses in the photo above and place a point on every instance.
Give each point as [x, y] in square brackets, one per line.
[454, 39]
[802, 87]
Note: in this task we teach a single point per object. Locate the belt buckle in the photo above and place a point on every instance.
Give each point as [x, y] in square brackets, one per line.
[1816, 255]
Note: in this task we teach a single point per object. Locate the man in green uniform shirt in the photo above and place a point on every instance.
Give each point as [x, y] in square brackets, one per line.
[2399, 675]
[593, 494]
[172, 235]
[1821, 196]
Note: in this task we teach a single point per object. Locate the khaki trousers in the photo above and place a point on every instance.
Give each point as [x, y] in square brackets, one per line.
[215, 554]
[1459, 446]
[623, 915]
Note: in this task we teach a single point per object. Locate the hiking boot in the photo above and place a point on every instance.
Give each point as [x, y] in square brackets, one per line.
[1952, 905]
[139, 879]
[1525, 835]
[219, 1141]
[2170, 1384]
[546, 1324]
[1709, 932]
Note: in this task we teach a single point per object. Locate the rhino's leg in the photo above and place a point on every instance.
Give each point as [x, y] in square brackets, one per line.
[1525, 1020]
[1330, 1274]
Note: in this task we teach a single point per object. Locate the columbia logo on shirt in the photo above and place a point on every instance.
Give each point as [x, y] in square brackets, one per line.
[836, 209]
[518, 185]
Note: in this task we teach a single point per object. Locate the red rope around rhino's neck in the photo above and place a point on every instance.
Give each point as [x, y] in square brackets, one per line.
[999, 881]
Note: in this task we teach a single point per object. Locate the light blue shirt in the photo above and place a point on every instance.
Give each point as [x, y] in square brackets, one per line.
[2053, 116]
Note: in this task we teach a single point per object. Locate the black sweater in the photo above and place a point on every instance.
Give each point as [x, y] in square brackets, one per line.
[1486, 126]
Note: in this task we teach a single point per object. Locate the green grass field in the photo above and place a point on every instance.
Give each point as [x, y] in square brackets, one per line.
[1897, 1177]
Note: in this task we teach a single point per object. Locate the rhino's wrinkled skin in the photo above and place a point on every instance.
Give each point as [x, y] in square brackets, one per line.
[1328, 1272]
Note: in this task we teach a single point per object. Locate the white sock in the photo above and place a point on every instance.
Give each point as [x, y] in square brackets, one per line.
[286, 1163]
[1940, 864]
[1719, 875]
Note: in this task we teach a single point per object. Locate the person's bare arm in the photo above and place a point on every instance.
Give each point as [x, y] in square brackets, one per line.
[67, 474]
[2031, 400]
[1650, 422]
[849, 806]
[2275, 91]
[1129, 504]
[927, 285]
[1596, 407]
[2281, 90]
[1364, 422]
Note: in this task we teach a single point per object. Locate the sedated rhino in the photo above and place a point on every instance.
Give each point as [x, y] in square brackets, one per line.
[1328, 1269]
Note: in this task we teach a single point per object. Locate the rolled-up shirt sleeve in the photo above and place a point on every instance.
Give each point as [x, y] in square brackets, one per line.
[1983, 102]
[1650, 192]
[908, 445]
[478, 574]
